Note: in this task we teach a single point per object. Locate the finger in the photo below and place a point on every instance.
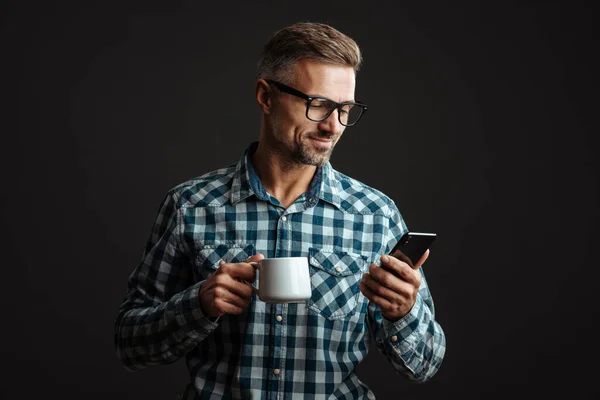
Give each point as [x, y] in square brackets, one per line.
[226, 307]
[392, 289]
[235, 285]
[422, 259]
[255, 258]
[253, 261]
[242, 289]
[238, 271]
[232, 297]
[209, 303]
[384, 303]
[372, 296]
[401, 269]
[402, 257]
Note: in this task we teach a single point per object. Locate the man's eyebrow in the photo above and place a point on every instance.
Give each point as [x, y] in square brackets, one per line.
[318, 96]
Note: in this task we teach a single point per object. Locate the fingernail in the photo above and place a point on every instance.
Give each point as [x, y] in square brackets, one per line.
[385, 258]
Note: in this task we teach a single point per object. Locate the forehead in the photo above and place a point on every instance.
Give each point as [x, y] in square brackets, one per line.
[336, 82]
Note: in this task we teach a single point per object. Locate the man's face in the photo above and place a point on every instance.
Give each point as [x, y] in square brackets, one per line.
[297, 139]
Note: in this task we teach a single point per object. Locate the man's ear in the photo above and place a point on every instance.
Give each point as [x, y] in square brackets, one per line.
[264, 96]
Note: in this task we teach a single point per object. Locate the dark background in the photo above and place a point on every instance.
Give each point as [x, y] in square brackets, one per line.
[479, 127]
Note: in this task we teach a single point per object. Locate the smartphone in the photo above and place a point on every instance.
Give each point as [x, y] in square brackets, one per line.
[412, 245]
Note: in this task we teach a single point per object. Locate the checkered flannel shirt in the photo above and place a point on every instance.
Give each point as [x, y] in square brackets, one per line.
[279, 351]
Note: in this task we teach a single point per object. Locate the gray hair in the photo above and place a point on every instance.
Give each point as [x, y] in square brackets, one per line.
[306, 41]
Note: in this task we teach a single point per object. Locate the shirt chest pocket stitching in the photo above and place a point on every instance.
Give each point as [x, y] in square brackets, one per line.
[337, 263]
[211, 255]
[334, 278]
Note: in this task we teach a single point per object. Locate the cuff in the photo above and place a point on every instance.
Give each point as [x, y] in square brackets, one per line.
[189, 313]
[403, 333]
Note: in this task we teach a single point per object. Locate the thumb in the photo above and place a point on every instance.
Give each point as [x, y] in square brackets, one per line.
[256, 257]
[422, 259]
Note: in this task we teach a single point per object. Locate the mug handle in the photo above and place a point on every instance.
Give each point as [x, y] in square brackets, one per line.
[256, 265]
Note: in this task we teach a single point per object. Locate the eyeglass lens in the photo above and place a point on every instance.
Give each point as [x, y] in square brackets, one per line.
[320, 109]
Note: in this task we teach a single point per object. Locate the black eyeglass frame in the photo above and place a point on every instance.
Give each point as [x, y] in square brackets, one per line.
[337, 106]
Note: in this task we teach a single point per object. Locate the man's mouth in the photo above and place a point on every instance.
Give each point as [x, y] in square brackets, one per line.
[322, 141]
[322, 138]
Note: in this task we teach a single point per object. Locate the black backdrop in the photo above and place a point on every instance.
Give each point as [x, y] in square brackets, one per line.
[479, 128]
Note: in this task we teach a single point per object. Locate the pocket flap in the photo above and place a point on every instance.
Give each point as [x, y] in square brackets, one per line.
[211, 255]
[337, 263]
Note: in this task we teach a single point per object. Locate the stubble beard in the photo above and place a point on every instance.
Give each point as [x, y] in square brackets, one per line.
[303, 153]
[307, 155]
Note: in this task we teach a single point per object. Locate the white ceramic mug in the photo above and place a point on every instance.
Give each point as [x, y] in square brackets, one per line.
[283, 280]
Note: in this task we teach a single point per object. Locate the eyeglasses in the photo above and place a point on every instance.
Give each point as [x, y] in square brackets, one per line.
[319, 108]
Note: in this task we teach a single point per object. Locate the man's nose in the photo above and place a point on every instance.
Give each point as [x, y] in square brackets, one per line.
[332, 123]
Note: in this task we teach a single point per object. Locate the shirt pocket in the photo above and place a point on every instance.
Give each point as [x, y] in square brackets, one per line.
[335, 276]
[209, 256]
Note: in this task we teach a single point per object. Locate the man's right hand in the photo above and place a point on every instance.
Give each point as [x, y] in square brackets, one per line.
[225, 291]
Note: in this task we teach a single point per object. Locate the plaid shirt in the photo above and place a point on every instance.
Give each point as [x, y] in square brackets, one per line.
[272, 351]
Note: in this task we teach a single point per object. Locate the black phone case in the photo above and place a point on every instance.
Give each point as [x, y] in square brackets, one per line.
[414, 244]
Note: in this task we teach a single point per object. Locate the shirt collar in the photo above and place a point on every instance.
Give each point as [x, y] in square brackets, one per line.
[246, 182]
[330, 186]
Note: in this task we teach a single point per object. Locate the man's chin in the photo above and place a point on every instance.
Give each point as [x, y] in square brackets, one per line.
[316, 158]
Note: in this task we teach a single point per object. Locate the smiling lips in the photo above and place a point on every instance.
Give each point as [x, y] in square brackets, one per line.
[322, 142]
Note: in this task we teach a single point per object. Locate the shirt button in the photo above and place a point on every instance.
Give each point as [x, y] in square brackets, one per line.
[284, 218]
[338, 269]
[394, 338]
[276, 371]
[279, 318]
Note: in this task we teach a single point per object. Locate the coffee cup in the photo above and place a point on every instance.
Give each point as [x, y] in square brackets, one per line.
[283, 280]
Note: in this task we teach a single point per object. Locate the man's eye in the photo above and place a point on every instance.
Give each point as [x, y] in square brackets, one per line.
[322, 103]
[345, 109]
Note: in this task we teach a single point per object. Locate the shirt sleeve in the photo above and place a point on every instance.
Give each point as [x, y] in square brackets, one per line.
[415, 344]
[160, 319]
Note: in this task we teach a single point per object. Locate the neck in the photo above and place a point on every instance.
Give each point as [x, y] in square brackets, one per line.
[283, 180]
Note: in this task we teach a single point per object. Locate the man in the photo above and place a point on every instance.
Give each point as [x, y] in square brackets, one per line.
[191, 295]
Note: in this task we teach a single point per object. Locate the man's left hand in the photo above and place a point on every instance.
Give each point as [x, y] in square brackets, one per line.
[395, 295]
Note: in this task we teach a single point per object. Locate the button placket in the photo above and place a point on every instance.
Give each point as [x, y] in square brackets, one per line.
[280, 339]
